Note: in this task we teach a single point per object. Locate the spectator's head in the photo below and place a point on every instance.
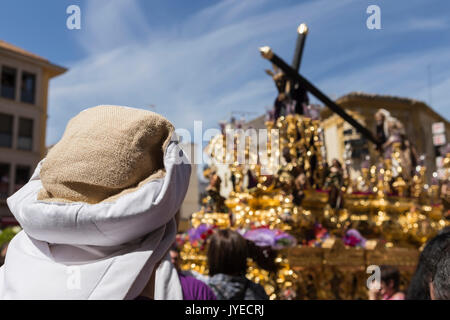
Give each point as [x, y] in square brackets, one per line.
[114, 181]
[175, 256]
[335, 163]
[443, 231]
[440, 285]
[3, 250]
[419, 286]
[227, 253]
[390, 280]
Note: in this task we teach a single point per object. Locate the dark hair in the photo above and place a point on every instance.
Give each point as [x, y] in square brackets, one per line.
[419, 286]
[445, 230]
[174, 247]
[227, 253]
[441, 280]
[388, 274]
[263, 256]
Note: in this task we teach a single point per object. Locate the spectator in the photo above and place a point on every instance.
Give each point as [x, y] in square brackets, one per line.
[227, 261]
[440, 285]
[3, 250]
[99, 212]
[193, 289]
[389, 285]
[419, 286]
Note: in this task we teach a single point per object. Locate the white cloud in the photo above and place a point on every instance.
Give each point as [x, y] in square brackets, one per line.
[188, 76]
[401, 75]
[422, 24]
[106, 24]
[209, 65]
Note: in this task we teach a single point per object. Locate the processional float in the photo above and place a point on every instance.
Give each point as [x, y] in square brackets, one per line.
[324, 229]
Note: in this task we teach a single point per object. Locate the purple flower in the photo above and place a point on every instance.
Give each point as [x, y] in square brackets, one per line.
[284, 240]
[353, 238]
[196, 233]
[270, 237]
[261, 237]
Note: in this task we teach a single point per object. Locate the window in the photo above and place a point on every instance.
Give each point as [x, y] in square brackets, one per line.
[28, 87]
[22, 177]
[6, 129]
[358, 148]
[8, 83]
[25, 139]
[4, 180]
[348, 132]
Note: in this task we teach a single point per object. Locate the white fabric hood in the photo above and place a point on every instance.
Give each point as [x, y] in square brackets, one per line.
[106, 250]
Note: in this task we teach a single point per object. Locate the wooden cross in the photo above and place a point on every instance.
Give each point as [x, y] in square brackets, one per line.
[294, 76]
[288, 88]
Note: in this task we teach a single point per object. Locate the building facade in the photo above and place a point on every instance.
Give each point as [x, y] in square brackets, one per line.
[24, 80]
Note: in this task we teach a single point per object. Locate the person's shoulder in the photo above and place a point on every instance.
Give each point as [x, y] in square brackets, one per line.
[200, 289]
[257, 291]
[192, 279]
[196, 275]
[197, 282]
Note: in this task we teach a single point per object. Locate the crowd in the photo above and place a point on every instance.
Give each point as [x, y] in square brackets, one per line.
[431, 280]
[100, 215]
[228, 252]
[227, 263]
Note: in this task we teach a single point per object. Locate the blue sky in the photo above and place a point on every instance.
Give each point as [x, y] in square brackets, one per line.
[199, 60]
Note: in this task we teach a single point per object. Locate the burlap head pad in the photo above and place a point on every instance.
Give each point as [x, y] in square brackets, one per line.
[106, 151]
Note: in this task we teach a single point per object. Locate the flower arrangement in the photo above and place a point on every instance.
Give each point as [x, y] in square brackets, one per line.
[197, 237]
[320, 235]
[353, 238]
[275, 238]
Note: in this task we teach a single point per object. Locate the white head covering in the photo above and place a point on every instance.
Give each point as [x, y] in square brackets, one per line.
[106, 250]
[387, 119]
